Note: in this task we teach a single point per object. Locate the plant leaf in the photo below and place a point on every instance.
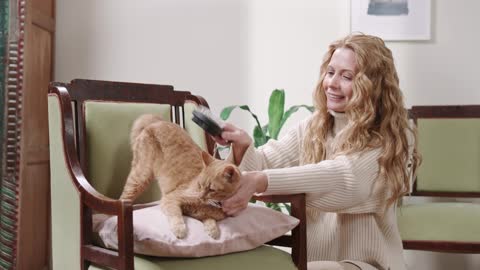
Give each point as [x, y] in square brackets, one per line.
[293, 109]
[265, 128]
[259, 137]
[246, 108]
[228, 110]
[225, 113]
[276, 107]
[273, 206]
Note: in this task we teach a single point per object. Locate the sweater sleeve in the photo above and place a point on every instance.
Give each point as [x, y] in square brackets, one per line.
[332, 185]
[275, 153]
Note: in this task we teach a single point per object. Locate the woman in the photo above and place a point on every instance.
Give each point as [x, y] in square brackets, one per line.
[350, 158]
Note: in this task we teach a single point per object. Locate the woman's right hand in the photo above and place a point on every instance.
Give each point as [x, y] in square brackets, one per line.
[249, 184]
[239, 139]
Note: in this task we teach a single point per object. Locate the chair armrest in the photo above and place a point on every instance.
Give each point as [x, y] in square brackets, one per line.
[298, 240]
[90, 199]
[121, 259]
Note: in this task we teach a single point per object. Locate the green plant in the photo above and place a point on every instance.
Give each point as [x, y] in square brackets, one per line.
[277, 116]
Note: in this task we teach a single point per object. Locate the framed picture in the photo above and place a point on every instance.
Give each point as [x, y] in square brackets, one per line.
[392, 19]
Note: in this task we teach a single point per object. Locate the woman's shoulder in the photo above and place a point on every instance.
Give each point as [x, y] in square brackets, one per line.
[302, 125]
[299, 126]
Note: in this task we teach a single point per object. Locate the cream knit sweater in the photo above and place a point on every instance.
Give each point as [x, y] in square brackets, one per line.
[345, 208]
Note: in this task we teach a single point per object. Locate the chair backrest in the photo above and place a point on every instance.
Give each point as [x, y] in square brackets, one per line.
[104, 114]
[449, 142]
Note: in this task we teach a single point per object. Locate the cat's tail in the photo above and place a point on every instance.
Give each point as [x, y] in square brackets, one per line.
[141, 123]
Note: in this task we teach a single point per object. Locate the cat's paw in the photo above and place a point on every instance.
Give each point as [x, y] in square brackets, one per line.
[211, 228]
[213, 232]
[180, 231]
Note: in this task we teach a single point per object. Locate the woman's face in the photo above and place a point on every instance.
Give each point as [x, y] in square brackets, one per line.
[338, 80]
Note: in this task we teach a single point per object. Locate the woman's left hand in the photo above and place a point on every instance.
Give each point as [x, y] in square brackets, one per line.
[250, 183]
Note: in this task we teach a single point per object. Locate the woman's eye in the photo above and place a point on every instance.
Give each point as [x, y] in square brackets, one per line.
[347, 78]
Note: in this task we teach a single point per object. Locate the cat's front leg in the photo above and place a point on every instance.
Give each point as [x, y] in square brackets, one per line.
[211, 228]
[172, 210]
[208, 215]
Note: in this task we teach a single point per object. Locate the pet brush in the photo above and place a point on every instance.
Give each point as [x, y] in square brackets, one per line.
[203, 117]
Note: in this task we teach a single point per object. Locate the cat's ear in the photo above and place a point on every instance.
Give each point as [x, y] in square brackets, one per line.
[207, 159]
[230, 173]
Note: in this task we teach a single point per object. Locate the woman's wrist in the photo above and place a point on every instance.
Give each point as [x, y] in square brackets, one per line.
[257, 181]
[261, 182]
[239, 152]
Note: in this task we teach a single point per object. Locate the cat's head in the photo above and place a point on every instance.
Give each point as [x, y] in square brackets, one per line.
[218, 179]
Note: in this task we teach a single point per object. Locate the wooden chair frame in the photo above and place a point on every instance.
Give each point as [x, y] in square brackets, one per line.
[452, 111]
[74, 141]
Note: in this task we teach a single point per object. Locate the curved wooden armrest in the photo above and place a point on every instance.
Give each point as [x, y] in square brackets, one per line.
[91, 200]
[298, 240]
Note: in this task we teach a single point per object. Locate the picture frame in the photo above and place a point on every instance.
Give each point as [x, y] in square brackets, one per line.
[392, 20]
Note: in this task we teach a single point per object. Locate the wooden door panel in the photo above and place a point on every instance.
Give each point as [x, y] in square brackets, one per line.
[38, 55]
[45, 7]
[33, 239]
[33, 242]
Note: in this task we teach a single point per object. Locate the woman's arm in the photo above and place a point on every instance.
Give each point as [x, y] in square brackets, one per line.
[344, 184]
[281, 153]
[333, 185]
[274, 154]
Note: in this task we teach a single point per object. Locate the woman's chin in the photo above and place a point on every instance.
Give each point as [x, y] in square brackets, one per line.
[336, 107]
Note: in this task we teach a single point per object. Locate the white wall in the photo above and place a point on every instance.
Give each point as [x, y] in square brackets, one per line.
[443, 70]
[287, 43]
[193, 45]
[230, 52]
[238, 51]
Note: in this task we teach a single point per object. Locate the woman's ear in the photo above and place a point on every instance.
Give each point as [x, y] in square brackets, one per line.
[207, 159]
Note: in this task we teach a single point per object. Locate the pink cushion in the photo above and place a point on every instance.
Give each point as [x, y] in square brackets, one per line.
[253, 227]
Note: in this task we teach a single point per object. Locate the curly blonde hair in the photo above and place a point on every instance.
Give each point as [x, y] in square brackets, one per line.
[376, 114]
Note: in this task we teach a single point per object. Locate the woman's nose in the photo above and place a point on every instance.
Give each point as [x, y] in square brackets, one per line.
[334, 81]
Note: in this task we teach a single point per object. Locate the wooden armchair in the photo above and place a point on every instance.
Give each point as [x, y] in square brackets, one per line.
[89, 124]
[449, 142]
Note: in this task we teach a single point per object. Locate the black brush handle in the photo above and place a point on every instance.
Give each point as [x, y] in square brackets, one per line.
[207, 124]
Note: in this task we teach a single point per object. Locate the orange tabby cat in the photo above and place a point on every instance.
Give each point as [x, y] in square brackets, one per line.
[189, 178]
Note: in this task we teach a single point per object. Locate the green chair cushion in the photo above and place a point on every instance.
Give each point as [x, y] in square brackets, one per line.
[264, 257]
[442, 221]
[108, 126]
[195, 131]
[451, 154]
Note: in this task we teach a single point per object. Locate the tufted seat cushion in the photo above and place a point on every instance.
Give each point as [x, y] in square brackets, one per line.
[440, 221]
[264, 257]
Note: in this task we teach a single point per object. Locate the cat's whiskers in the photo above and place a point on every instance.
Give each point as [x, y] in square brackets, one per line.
[214, 203]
